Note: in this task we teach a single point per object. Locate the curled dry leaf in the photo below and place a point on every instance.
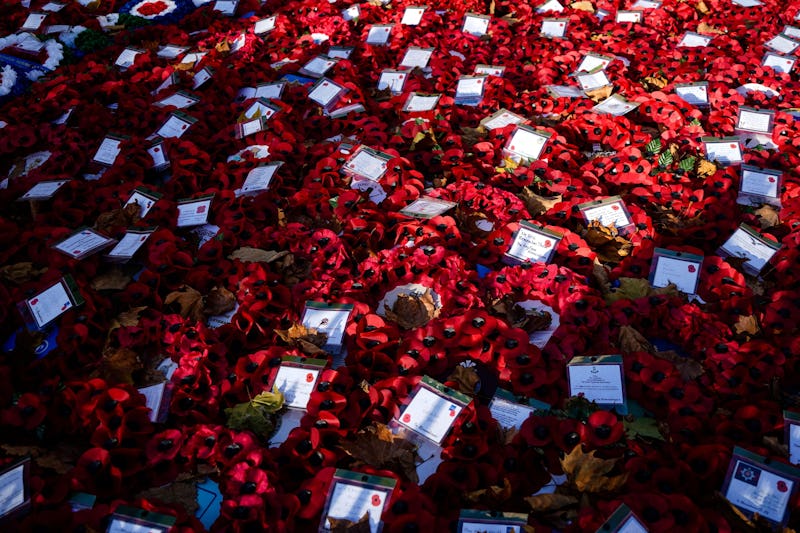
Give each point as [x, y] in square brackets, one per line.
[118, 365]
[670, 223]
[630, 340]
[472, 136]
[583, 5]
[550, 502]
[688, 367]
[114, 279]
[747, 326]
[588, 473]
[767, 216]
[19, 273]
[601, 93]
[219, 301]
[189, 302]
[708, 29]
[412, 311]
[342, 525]
[705, 168]
[377, 446]
[493, 497]
[465, 379]
[530, 320]
[473, 222]
[309, 340]
[122, 217]
[537, 204]
[654, 83]
[257, 255]
[611, 247]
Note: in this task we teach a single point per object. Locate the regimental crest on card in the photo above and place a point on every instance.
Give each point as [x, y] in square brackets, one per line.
[747, 474]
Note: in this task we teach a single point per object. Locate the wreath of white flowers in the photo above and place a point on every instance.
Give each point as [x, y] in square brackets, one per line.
[54, 49]
[8, 79]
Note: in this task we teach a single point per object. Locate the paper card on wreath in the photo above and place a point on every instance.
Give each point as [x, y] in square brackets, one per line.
[269, 90]
[81, 501]
[431, 412]
[133, 520]
[330, 319]
[367, 163]
[340, 52]
[264, 25]
[550, 5]
[412, 15]
[681, 269]
[693, 93]
[724, 150]
[754, 120]
[532, 243]
[158, 154]
[259, 178]
[469, 90]
[83, 243]
[145, 198]
[748, 3]
[318, 66]
[646, 4]
[475, 521]
[565, 91]
[171, 51]
[180, 100]
[623, 520]
[15, 491]
[760, 186]
[756, 485]
[610, 211]
[176, 125]
[691, 39]
[599, 379]
[595, 79]
[629, 16]
[416, 57]
[426, 207]
[169, 81]
[394, 80]
[489, 70]
[127, 57]
[476, 24]
[202, 77]
[226, 7]
[353, 495]
[44, 190]
[194, 211]
[511, 411]
[296, 378]
[791, 31]
[108, 150]
[592, 62]
[379, 34]
[791, 435]
[129, 244]
[552, 27]
[783, 44]
[326, 93]
[53, 7]
[44, 307]
[747, 243]
[351, 13]
[157, 398]
[615, 105]
[33, 22]
[418, 102]
[778, 63]
[526, 144]
[500, 119]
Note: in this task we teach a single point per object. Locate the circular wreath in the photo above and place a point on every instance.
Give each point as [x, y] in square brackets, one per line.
[159, 11]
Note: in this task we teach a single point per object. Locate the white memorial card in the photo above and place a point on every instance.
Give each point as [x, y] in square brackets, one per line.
[599, 379]
[326, 92]
[725, 150]
[754, 120]
[145, 198]
[416, 57]
[83, 243]
[432, 412]
[527, 143]
[779, 63]
[175, 126]
[194, 212]
[760, 185]
[615, 105]
[475, 24]
[782, 44]
[393, 80]
[43, 190]
[417, 102]
[554, 27]
[691, 39]
[678, 268]
[427, 207]
[532, 243]
[53, 302]
[412, 15]
[379, 34]
[108, 151]
[746, 243]
[693, 93]
[129, 244]
[367, 163]
[259, 178]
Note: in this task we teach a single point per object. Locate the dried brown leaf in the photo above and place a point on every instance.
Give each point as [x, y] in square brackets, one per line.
[601, 93]
[630, 340]
[702, 8]
[223, 47]
[309, 340]
[588, 473]
[118, 365]
[688, 367]
[606, 241]
[493, 497]
[342, 525]
[472, 136]
[219, 301]
[257, 255]
[116, 218]
[412, 311]
[189, 302]
[707, 29]
[19, 273]
[654, 83]
[60, 459]
[583, 5]
[465, 379]
[747, 326]
[538, 205]
[600, 275]
[114, 279]
[767, 216]
[470, 222]
[377, 446]
[706, 168]
[550, 502]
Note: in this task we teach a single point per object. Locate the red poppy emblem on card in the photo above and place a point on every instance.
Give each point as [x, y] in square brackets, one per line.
[376, 500]
[201, 209]
[691, 268]
[309, 377]
[733, 146]
[771, 180]
[76, 252]
[35, 301]
[615, 207]
[548, 243]
[406, 418]
[782, 486]
[156, 150]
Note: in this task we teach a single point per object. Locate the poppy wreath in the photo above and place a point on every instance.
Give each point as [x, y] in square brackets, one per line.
[702, 374]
